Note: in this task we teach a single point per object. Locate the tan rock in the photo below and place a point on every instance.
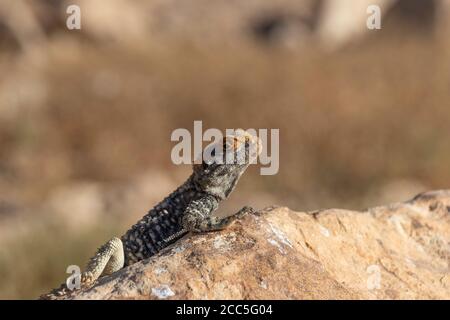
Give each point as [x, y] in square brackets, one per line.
[398, 251]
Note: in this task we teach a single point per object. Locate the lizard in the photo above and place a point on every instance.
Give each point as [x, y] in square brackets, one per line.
[188, 209]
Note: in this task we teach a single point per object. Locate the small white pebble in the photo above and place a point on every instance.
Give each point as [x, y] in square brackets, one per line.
[160, 270]
[163, 291]
[263, 285]
[220, 243]
[179, 249]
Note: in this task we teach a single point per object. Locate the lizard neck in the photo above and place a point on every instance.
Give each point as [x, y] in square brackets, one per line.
[179, 199]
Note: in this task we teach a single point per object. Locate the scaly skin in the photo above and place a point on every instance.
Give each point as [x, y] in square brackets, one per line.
[188, 209]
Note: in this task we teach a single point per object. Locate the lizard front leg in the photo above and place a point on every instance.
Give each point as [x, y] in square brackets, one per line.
[197, 217]
[213, 223]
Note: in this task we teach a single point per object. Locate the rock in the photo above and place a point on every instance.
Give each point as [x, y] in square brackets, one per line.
[400, 251]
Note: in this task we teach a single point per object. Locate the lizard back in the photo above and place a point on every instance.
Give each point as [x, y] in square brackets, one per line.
[151, 233]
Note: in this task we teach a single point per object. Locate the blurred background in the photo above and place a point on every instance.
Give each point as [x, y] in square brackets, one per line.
[86, 115]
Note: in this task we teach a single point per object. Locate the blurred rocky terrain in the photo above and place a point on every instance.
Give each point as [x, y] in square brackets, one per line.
[86, 115]
[400, 251]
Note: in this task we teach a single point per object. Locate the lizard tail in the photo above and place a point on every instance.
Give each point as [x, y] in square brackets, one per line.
[63, 291]
[57, 293]
[108, 259]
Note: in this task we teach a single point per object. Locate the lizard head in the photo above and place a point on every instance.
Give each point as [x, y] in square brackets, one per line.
[219, 174]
